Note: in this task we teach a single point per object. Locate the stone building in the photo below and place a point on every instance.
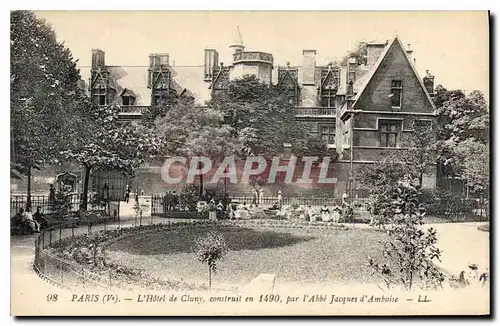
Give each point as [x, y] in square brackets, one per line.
[370, 104]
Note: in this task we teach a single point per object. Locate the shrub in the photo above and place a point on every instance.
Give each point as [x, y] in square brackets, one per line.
[440, 202]
[410, 251]
[210, 249]
[189, 196]
[61, 205]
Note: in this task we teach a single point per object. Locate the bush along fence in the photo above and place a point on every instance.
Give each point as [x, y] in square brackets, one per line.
[52, 250]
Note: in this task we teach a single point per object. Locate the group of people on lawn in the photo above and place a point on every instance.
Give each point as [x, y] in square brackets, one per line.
[170, 201]
[473, 276]
[26, 222]
[242, 211]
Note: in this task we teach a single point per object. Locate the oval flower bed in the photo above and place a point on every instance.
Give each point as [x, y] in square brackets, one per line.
[89, 250]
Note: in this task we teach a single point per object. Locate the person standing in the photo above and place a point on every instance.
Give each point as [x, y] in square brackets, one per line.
[255, 197]
[220, 209]
[280, 199]
[310, 214]
[174, 201]
[127, 193]
[261, 197]
[212, 213]
[52, 194]
[165, 202]
[230, 211]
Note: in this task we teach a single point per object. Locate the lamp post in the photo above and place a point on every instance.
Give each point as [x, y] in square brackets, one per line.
[351, 160]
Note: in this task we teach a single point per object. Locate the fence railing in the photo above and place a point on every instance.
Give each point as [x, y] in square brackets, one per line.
[315, 111]
[267, 202]
[66, 273]
[158, 207]
[42, 201]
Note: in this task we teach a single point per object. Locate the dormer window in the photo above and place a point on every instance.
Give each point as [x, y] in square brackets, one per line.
[327, 90]
[99, 96]
[328, 97]
[128, 98]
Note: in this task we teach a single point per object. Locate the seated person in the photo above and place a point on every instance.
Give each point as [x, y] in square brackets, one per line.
[325, 213]
[244, 211]
[237, 213]
[310, 214]
[40, 218]
[28, 218]
[18, 224]
[336, 214]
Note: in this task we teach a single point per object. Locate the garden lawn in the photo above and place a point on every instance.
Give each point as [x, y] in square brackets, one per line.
[294, 255]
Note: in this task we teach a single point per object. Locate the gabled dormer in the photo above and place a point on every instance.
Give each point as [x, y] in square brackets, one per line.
[128, 97]
[329, 85]
[159, 77]
[220, 79]
[288, 82]
[101, 87]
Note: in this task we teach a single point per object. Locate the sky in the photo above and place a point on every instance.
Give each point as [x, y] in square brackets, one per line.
[452, 45]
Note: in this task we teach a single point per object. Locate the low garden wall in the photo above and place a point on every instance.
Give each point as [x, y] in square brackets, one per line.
[76, 260]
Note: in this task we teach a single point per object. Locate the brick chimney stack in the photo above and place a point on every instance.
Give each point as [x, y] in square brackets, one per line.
[98, 59]
[429, 83]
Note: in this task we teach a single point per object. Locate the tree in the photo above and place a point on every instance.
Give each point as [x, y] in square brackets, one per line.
[44, 83]
[474, 166]
[101, 141]
[416, 157]
[189, 197]
[261, 117]
[461, 118]
[381, 178]
[156, 111]
[474, 161]
[359, 53]
[210, 249]
[189, 130]
[410, 250]
[420, 155]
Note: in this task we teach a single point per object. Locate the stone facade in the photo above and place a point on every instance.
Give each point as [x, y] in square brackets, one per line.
[374, 102]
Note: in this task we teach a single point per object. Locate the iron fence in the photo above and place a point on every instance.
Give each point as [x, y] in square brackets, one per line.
[42, 201]
[66, 273]
[158, 207]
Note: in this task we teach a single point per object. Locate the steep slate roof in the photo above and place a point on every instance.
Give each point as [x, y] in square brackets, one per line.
[192, 78]
[365, 81]
[134, 79]
[187, 79]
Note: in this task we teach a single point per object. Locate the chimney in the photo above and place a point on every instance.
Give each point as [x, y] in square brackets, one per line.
[163, 59]
[98, 59]
[351, 69]
[373, 52]
[211, 61]
[350, 89]
[308, 67]
[154, 61]
[409, 51]
[429, 83]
